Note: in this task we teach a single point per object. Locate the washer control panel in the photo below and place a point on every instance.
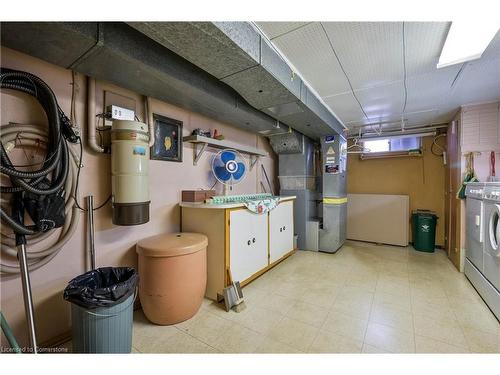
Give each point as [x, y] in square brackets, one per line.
[474, 190]
[492, 193]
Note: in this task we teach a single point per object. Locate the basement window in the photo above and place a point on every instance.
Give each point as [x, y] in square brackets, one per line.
[391, 147]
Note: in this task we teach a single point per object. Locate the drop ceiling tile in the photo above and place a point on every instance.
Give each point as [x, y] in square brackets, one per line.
[382, 101]
[275, 29]
[370, 52]
[420, 118]
[445, 116]
[493, 49]
[478, 82]
[426, 91]
[309, 51]
[424, 42]
[345, 107]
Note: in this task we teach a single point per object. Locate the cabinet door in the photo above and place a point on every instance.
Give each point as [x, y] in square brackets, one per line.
[248, 249]
[280, 231]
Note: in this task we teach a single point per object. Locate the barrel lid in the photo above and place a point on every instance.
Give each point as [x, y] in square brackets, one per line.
[172, 244]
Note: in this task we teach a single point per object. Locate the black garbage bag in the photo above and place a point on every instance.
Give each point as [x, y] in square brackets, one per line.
[103, 287]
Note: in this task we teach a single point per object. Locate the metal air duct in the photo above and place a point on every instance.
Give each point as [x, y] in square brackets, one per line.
[236, 54]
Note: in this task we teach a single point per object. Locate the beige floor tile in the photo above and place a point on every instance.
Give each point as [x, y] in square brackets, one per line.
[294, 333]
[177, 342]
[308, 313]
[238, 339]
[355, 303]
[147, 336]
[392, 317]
[258, 319]
[327, 342]
[389, 338]
[370, 349]
[482, 342]
[293, 289]
[445, 329]
[475, 316]
[213, 307]
[345, 325]
[394, 285]
[207, 327]
[367, 283]
[387, 300]
[275, 302]
[184, 343]
[435, 308]
[272, 346]
[321, 294]
[390, 299]
[431, 346]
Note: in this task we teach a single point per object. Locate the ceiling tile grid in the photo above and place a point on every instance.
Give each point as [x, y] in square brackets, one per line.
[371, 61]
[478, 82]
[309, 51]
[370, 52]
[275, 29]
[383, 100]
[423, 44]
[346, 107]
[430, 90]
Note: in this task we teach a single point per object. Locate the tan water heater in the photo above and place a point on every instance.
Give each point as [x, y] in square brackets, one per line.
[129, 172]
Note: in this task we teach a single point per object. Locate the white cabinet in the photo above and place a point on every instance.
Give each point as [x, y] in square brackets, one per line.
[280, 231]
[247, 243]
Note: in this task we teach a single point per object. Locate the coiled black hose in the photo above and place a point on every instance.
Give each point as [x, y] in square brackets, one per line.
[52, 175]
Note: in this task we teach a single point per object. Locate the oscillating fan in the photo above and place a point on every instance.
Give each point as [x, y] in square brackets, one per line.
[228, 167]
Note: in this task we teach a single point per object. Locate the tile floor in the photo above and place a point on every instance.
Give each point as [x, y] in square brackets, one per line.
[364, 299]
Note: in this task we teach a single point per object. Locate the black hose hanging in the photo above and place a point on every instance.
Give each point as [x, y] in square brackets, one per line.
[42, 190]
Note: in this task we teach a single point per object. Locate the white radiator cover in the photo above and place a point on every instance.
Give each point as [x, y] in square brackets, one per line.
[378, 218]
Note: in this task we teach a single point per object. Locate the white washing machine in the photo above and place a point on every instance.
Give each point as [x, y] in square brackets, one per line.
[485, 275]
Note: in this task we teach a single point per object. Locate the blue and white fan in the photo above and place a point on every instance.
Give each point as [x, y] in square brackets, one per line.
[228, 167]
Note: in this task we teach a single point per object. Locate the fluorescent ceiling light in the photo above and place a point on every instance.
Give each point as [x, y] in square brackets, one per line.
[466, 41]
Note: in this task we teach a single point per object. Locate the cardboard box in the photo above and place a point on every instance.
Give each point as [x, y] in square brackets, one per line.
[197, 195]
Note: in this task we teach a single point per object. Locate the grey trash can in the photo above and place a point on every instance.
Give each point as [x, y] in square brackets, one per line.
[102, 306]
[103, 330]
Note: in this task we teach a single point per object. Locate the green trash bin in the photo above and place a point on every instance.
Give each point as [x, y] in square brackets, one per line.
[424, 230]
[102, 307]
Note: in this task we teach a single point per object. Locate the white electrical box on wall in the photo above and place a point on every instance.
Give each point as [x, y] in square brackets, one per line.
[119, 113]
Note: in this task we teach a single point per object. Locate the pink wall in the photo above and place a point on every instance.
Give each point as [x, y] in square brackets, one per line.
[114, 244]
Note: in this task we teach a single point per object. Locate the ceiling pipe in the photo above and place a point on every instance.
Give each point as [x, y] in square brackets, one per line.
[407, 132]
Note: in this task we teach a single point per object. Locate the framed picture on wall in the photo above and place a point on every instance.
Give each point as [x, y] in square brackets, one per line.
[168, 139]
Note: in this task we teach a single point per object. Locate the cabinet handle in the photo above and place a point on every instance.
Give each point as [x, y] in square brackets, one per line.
[253, 240]
[284, 228]
[249, 242]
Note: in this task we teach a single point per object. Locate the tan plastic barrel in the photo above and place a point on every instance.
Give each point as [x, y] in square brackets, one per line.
[172, 276]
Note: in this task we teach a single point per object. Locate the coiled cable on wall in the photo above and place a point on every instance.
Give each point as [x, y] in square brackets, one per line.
[57, 174]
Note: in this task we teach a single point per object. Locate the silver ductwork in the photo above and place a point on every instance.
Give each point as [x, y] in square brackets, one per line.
[223, 70]
[237, 54]
[117, 53]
